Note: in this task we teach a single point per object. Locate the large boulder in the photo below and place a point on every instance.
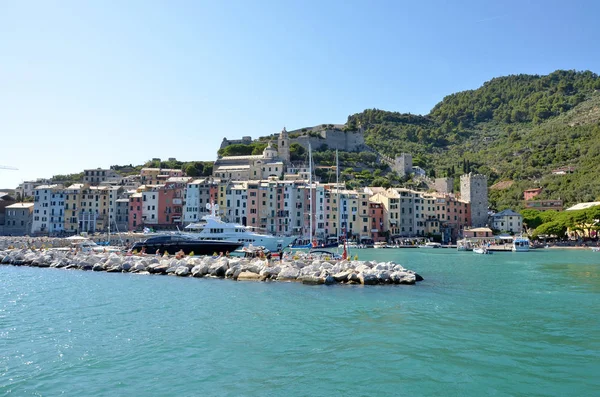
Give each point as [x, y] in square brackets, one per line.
[312, 280]
[342, 276]
[368, 279]
[182, 271]
[288, 273]
[98, 267]
[158, 268]
[200, 270]
[270, 271]
[219, 268]
[403, 278]
[250, 276]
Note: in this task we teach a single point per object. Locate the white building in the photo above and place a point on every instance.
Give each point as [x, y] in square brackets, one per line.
[508, 221]
[150, 205]
[237, 197]
[197, 195]
[48, 209]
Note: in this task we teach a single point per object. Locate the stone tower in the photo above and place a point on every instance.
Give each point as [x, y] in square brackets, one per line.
[444, 185]
[473, 188]
[403, 164]
[283, 146]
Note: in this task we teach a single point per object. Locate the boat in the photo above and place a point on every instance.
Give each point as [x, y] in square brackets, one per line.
[380, 244]
[174, 243]
[430, 245]
[464, 245]
[214, 229]
[481, 250]
[595, 249]
[520, 244]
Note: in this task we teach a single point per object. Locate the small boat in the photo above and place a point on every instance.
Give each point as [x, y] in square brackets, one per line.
[595, 249]
[481, 250]
[520, 244]
[430, 245]
[380, 244]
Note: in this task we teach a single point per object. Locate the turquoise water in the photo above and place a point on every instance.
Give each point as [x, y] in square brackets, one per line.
[521, 324]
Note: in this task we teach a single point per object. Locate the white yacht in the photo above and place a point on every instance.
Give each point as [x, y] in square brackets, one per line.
[213, 228]
[520, 244]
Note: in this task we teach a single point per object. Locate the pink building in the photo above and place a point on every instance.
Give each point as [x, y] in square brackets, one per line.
[170, 203]
[135, 212]
[376, 220]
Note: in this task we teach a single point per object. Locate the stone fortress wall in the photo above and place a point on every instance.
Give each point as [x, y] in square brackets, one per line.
[334, 138]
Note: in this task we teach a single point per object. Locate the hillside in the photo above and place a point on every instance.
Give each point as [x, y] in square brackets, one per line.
[515, 128]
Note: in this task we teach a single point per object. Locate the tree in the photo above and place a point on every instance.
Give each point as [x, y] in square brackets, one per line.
[554, 228]
[191, 170]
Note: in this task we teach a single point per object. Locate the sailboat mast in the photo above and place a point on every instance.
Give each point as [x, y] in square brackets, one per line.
[337, 187]
[310, 192]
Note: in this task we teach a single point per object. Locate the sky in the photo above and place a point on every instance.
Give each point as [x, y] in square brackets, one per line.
[88, 84]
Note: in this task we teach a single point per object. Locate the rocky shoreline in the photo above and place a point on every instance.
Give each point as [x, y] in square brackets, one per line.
[304, 270]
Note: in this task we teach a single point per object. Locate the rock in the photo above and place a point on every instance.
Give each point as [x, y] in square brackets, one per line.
[218, 269]
[230, 272]
[288, 273]
[250, 276]
[329, 280]
[200, 270]
[342, 276]
[312, 280]
[98, 267]
[171, 270]
[182, 271]
[368, 279]
[270, 271]
[158, 268]
[383, 276]
[353, 278]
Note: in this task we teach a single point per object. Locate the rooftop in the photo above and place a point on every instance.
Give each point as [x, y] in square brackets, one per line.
[21, 205]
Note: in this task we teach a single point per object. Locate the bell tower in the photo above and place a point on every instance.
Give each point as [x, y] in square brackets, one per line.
[283, 146]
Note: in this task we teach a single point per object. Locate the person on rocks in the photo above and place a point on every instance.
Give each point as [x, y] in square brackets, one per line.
[157, 252]
[227, 254]
[143, 251]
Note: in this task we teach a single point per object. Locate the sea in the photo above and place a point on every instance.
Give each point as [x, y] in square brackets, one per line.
[507, 324]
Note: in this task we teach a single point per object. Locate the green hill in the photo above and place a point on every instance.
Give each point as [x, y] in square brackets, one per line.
[515, 128]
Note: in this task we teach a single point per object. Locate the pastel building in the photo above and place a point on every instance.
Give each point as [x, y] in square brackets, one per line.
[197, 195]
[73, 206]
[158, 176]
[135, 214]
[150, 206]
[48, 212]
[19, 219]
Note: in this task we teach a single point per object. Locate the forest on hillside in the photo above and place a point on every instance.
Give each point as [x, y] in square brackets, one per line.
[515, 128]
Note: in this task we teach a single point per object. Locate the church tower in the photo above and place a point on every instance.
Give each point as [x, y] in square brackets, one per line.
[283, 146]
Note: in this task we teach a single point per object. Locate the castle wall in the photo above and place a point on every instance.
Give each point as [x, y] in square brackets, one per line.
[349, 141]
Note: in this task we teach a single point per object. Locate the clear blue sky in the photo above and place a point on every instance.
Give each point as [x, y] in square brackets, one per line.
[86, 84]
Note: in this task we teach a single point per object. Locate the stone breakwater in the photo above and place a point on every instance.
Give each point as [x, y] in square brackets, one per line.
[307, 271]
